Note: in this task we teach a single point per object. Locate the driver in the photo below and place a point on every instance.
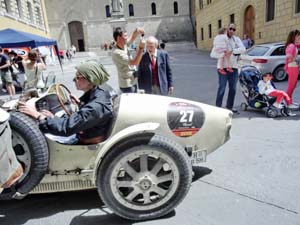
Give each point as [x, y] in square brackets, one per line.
[90, 122]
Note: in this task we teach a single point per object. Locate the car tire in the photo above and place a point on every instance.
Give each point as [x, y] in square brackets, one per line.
[31, 150]
[280, 74]
[150, 191]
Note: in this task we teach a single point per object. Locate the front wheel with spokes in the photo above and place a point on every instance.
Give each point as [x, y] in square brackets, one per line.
[145, 181]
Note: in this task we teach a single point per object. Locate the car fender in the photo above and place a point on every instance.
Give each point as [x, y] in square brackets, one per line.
[121, 135]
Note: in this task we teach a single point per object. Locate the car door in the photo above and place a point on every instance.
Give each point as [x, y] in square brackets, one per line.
[277, 57]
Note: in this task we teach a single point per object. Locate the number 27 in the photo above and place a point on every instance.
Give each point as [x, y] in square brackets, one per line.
[186, 116]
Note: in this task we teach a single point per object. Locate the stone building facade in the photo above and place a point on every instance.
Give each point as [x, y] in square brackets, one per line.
[88, 24]
[263, 20]
[24, 15]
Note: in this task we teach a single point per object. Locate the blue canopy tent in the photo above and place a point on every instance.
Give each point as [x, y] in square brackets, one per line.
[10, 38]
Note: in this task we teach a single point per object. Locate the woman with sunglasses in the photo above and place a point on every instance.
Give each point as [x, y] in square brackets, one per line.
[238, 48]
[90, 122]
[291, 66]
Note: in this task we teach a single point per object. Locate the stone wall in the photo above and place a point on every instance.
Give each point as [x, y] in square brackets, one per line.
[19, 17]
[98, 28]
[273, 31]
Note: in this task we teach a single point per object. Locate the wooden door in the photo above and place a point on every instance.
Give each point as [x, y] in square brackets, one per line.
[249, 22]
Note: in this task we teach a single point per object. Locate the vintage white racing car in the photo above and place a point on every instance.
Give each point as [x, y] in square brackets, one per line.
[143, 170]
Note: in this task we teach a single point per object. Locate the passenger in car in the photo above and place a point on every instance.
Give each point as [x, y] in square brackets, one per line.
[90, 122]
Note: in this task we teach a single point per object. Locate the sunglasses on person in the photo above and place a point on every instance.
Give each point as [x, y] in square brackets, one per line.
[77, 77]
[233, 29]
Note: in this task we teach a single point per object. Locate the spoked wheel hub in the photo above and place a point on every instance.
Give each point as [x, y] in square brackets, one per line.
[145, 184]
[144, 180]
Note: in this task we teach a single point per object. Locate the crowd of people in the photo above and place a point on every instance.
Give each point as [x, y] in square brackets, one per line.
[149, 69]
[89, 124]
[228, 47]
[13, 67]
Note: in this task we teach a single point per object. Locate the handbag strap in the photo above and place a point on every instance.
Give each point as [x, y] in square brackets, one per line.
[36, 70]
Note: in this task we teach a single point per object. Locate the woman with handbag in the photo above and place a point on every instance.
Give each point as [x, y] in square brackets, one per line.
[33, 66]
[291, 66]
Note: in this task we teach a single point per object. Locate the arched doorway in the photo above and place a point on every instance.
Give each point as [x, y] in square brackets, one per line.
[76, 35]
[249, 22]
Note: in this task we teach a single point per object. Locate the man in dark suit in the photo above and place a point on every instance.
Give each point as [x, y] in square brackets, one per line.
[155, 74]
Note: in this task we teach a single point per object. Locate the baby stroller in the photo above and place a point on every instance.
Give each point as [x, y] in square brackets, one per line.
[249, 78]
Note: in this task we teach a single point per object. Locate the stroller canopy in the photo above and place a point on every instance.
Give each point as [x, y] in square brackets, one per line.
[250, 76]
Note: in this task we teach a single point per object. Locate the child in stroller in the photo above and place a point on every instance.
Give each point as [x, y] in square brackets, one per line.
[257, 93]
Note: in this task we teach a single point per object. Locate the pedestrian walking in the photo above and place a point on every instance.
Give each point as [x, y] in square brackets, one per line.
[155, 74]
[125, 63]
[247, 41]
[291, 65]
[231, 78]
[5, 73]
[73, 49]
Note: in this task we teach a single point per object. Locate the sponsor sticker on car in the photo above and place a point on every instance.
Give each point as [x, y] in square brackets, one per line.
[185, 119]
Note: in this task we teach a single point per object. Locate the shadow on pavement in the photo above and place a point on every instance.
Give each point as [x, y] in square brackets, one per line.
[110, 219]
[199, 172]
[38, 206]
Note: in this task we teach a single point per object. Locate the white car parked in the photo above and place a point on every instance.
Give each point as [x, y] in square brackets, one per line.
[267, 58]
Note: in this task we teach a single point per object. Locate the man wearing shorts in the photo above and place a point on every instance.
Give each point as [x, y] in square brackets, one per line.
[5, 74]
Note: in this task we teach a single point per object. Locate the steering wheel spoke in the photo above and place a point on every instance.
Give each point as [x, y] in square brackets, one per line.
[63, 95]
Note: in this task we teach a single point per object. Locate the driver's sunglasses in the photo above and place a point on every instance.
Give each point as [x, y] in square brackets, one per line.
[231, 28]
[77, 77]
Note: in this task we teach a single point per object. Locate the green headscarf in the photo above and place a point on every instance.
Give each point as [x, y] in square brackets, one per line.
[94, 72]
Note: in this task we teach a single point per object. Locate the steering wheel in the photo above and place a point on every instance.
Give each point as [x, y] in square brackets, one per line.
[63, 96]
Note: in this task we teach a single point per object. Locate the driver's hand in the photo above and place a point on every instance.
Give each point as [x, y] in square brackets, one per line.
[47, 113]
[28, 110]
[74, 99]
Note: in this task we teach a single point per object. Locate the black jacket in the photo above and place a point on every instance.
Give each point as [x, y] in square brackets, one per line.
[165, 77]
[91, 120]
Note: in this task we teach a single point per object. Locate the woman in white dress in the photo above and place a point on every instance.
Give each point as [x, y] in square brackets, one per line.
[33, 65]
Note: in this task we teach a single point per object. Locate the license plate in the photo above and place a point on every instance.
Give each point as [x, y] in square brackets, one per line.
[198, 156]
